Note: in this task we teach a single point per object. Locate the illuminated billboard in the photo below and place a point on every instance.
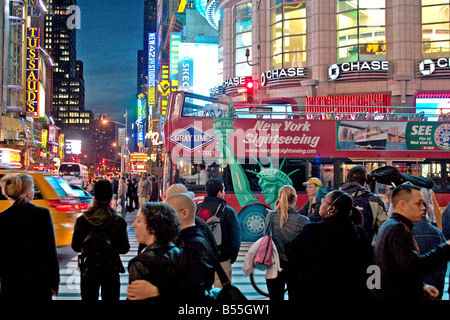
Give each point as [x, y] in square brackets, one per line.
[32, 72]
[164, 89]
[175, 40]
[433, 104]
[198, 67]
[10, 158]
[73, 146]
[151, 68]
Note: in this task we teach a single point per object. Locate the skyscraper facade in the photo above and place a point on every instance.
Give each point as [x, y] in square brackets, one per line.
[68, 108]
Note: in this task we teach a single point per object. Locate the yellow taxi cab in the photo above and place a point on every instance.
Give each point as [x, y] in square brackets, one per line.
[52, 192]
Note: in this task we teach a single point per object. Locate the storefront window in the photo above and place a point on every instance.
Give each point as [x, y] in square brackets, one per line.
[288, 34]
[242, 38]
[361, 34]
[435, 28]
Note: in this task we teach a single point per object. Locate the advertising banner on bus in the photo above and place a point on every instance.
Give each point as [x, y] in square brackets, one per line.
[393, 136]
[260, 138]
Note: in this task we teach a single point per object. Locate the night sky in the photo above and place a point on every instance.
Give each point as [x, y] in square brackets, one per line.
[110, 36]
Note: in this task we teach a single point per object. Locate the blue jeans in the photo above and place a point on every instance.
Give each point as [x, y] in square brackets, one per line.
[123, 204]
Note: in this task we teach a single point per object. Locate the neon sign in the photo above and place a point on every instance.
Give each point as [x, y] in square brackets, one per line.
[32, 72]
[151, 68]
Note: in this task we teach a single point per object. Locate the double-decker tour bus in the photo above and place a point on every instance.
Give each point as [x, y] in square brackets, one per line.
[258, 149]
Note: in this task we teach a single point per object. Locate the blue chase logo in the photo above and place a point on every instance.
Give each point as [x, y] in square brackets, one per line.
[191, 138]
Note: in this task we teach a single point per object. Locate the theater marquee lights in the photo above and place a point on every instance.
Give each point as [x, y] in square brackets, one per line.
[32, 72]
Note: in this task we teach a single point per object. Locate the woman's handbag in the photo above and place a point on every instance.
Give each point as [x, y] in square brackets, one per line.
[228, 291]
[263, 257]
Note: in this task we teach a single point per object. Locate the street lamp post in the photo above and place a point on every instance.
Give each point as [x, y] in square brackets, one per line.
[122, 147]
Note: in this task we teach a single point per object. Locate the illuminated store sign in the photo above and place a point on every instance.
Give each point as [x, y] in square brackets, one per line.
[44, 138]
[32, 72]
[151, 68]
[238, 81]
[164, 88]
[175, 39]
[436, 67]
[33, 8]
[281, 74]
[61, 145]
[357, 69]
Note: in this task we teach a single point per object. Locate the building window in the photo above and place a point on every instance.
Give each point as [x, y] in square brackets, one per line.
[361, 31]
[242, 38]
[435, 28]
[287, 34]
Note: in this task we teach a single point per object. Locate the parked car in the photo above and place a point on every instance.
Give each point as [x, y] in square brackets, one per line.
[52, 192]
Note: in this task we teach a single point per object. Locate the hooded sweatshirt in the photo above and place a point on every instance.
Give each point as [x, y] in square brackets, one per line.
[102, 219]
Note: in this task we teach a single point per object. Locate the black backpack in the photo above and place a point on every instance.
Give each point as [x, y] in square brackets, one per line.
[97, 257]
[362, 203]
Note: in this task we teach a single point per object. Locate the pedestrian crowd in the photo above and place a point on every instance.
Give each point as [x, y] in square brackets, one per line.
[342, 244]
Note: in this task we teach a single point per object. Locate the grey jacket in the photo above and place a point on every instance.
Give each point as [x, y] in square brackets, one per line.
[291, 228]
[144, 188]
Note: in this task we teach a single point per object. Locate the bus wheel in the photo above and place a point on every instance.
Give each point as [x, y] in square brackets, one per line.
[252, 218]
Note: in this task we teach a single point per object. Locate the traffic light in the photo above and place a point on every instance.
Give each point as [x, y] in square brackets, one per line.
[250, 87]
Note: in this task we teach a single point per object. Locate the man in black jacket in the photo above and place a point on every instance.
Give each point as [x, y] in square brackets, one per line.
[230, 240]
[397, 254]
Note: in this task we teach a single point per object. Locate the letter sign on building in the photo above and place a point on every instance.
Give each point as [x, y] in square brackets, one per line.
[32, 72]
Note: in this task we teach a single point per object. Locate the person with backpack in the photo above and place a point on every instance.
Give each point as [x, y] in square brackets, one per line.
[224, 225]
[100, 235]
[370, 205]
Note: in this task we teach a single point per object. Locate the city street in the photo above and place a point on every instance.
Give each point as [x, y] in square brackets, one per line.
[69, 288]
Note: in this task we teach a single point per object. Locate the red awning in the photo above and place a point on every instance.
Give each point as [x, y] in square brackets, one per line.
[433, 94]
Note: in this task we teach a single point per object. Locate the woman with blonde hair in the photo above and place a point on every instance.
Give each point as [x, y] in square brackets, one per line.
[29, 268]
[284, 223]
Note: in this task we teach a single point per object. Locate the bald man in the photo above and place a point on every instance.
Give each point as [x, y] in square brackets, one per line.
[397, 254]
[195, 269]
[178, 188]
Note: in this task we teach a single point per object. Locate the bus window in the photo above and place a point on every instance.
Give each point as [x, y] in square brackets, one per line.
[194, 107]
[195, 175]
[448, 176]
[433, 171]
